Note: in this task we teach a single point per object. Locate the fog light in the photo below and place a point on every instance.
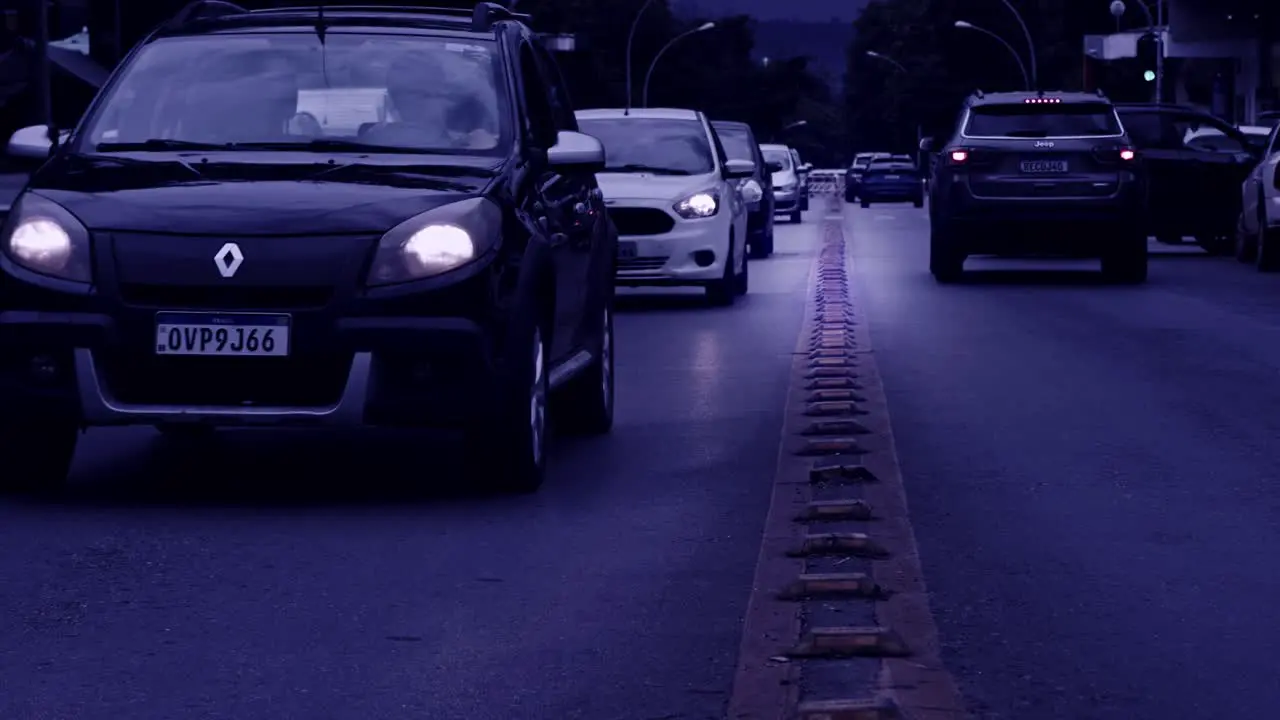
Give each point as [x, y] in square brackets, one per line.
[704, 258]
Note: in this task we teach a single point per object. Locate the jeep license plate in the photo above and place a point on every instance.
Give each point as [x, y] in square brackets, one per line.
[230, 335]
[1044, 167]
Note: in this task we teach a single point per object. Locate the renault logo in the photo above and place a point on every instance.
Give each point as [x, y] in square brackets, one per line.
[228, 260]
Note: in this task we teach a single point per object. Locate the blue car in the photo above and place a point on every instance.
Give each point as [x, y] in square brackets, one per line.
[891, 180]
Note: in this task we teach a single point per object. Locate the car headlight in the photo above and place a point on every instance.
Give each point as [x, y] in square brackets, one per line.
[436, 242]
[44, 238]
[751, 191]
[698, 205]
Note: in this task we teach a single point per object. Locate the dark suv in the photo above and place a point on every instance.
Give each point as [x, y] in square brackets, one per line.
[288, 217]
[1045, 173]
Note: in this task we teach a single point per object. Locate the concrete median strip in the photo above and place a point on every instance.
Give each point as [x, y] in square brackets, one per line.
[861, 643]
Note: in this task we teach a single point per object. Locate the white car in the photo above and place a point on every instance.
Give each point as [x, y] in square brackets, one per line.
[786, 182]
[674, 198]
[1258, 237]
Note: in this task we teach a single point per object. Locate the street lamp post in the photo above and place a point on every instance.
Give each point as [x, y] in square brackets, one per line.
[631, 37]
[644, 92]
[1031, 45]
[1017, 57]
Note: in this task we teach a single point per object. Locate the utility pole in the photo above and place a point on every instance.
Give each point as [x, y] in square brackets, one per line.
[1161, 32]
[44, 70]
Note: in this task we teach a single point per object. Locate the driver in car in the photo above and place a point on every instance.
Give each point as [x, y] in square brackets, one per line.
[430, 110]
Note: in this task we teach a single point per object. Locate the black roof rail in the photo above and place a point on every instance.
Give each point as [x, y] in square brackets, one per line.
[483, 14]
[202, 10]
[978, 92]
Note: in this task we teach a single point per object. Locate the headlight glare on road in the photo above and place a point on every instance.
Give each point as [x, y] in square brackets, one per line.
[436, 242]
[698, 205]
[751, 191]
[46, 239]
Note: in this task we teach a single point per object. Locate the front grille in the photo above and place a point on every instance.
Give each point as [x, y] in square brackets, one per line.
[224, 297]
[641, 264]
[314, 381]
[641, 221]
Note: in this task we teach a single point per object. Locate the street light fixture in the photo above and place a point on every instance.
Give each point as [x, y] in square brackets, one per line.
[644, 93]
[794, 125]
[1017, 57]
[886, 58]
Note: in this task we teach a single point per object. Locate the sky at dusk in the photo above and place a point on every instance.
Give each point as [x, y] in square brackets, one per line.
[803, 10]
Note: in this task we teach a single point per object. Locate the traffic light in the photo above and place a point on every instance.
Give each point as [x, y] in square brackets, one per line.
[1148, 54]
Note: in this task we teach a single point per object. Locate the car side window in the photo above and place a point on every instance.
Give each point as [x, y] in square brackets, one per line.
[557, 91]
[540, 124]
[1202, 135]
[1149, 130]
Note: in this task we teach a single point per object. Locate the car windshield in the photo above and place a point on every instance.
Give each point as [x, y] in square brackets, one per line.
[737, 142]
[1046, 120]
[656, 145]
[781, 156]
[381, 92]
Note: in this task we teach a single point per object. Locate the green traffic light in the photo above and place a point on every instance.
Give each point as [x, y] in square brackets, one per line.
[1149, 76]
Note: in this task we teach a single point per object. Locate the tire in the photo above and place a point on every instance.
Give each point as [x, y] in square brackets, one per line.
[850, 197]
[796, 216]
[742, 281]
[512, 452]
[1126, 261]
[585, 406]
[804, 201]
[918, 202]
[37, 454]
[723, 292]
[946, 261]
[1268, 257]
[866, 203]
[1246, 246]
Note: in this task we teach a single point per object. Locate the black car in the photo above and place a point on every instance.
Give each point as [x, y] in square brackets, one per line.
[1044, 173]
[1196, 164]
[366, 217]
[853, 178]
[740, 144]
[891, 179]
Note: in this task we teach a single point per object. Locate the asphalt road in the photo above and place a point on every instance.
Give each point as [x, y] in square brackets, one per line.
[282, 576]
[1092, 475]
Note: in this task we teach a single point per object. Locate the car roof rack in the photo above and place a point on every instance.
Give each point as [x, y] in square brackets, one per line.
[483, 14]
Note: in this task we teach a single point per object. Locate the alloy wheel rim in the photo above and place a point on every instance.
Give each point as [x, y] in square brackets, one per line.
[538, 400]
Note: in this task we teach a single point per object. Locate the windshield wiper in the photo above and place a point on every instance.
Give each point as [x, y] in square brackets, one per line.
[641, 168]
[332, 144]
[159, 144]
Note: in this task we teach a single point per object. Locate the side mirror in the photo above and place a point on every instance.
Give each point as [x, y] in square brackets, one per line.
[926, 144]
[576, 152]
[31, 143]
[738, 169]
[774, 166]
[806, 167]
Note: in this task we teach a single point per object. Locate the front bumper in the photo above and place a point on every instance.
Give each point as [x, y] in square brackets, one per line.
[692, 252]
[786, 202]
[889, 192]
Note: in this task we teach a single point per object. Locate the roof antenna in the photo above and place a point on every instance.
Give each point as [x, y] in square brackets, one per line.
[320, 21]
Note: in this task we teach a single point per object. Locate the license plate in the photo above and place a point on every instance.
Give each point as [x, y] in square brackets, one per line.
[232, 335]
[627, 250]
[1041, 167]
[892, 177]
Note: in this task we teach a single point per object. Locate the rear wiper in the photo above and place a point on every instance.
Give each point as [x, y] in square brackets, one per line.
[1027, 133]
[640, 168]
[159, 144]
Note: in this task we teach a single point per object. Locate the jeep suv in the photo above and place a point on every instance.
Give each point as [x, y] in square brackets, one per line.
[355, 217]
[1038, 174]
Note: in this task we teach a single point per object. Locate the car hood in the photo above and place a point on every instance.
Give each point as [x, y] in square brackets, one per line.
[618, 186]
[209, 198]
[784, 177]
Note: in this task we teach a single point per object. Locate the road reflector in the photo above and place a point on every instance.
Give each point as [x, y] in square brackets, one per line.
[831, 372]
[873, 709]
[835, 510]
[838, 394]
[842, 473]
[844, 382]
[838, 350]
[834, 427]
[830, 446]
[832, 585]
[841, 642]
[830, 409]
[847, 544]
[844, 361]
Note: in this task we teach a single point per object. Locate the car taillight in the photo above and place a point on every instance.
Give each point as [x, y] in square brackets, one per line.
[1127, 154]
[959, 156]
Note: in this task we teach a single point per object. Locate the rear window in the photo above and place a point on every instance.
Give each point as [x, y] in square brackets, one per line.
[891, 168]
[1043, 121]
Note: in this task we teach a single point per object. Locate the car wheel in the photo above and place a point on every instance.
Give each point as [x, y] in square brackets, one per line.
[743, 280]
[1246, 245]
[586, 405]
[866, 203]
[796, 216]
[1268, 258]
[513, 453]
[946, 261]
[724, 291]
[1126, 260]
[37, 454]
